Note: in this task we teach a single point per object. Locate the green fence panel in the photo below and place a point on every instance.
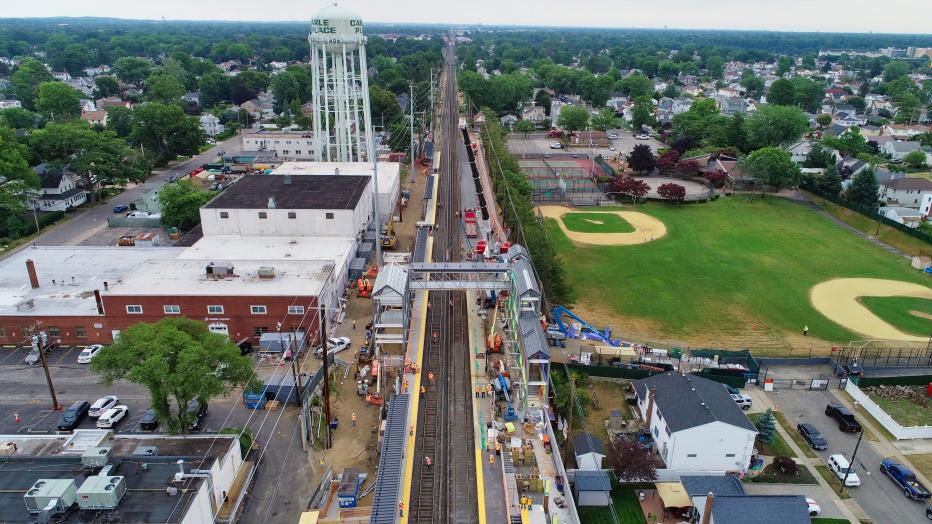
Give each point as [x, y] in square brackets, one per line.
[612, 371]
[731, 380]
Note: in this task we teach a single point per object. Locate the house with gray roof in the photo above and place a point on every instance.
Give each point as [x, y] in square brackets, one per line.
[898, 149]
[589, 451]
[695, 423]
[592, 488]
[760, 509]
[907, 192]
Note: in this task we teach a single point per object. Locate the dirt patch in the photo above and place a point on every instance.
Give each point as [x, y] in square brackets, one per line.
[837, 299]
[921, 314]
[608, 396]
[646, 228]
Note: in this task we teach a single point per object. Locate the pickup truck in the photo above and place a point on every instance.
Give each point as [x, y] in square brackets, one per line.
[906, 479]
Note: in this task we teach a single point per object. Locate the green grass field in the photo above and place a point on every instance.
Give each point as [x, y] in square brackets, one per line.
[897, 312]
[587, 223]
[725, 270]
[626, 506]
[904, 411]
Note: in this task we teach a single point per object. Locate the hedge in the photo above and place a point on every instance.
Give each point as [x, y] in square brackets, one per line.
[869, 212]
[612, 371]
[909, 380]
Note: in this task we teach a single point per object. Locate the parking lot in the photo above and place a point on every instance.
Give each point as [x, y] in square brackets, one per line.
[540, 146]
[878, 495]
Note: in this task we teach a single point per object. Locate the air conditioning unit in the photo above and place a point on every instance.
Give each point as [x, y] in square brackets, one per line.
[60, 494]
[95, 457]
[266, 272]
[101, 493]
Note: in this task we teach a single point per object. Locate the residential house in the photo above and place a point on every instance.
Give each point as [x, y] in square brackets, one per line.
[534, 114]
[847, 119]
[925, 207]
[799, 151]
[882, 176]
[698, 487]
[229, 66]
[112, 101]
[211, 125]
[192, 98]
[10, 104]
[681, 105]
[695, 423]
[592, 488]
[589, 451]
[869, 130]
[850, 166]
[907, 192]
[835, 130]
[95, 118]
[61, 76]
[97, 71]
[844, 108]
[898, 149]
[149, 201]
[907, 216]
[60, 191]
[904, 131]
[733, 106]
[87, 105]
[617, 102]
[508, 121]
[759, 509]
[877, 105]
[84, 84]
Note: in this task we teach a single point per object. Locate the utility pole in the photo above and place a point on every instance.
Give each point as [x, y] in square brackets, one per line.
[431, 96]
[322, 311]
[851, 463]
[293, 346]
[411, 167]
[375, 208]
[40, 343]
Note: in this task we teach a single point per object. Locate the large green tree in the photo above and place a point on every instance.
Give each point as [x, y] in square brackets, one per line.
[642, 114]
[772, 166]
[214, 87]
[384, 105]
[132, 69]
[26, 79]
[637, 85]
[863, 189]
[19, 181]
[286, 89]
[246, 85]
[775, 125]
[573, 118]
[165, 131]
[605, 120]
[753, 85]
[782, 93]
[163, 87]
[181, 204]
[178, 360]
[106, 86]
[18, 118]
[58, 101]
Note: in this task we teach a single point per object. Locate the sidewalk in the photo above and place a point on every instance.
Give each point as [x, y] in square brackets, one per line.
[849, 507]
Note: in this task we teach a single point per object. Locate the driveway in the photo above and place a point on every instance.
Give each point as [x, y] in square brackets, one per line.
[88, 221]
[878, 496]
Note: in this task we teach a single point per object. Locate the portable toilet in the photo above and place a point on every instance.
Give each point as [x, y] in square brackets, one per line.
[350, 483]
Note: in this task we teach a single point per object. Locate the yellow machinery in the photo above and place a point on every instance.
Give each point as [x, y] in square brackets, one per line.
[388, 237]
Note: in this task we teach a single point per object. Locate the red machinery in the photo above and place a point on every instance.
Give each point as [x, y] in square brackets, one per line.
[494, 344]
[364, 288]
[480, 248]
[469, 218]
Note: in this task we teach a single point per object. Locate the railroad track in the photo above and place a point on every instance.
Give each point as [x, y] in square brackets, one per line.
[446, 491]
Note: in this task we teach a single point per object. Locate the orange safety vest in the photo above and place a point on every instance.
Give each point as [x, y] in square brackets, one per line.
[354, 417]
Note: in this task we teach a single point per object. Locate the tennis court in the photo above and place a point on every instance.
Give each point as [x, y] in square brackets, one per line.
[566, 180]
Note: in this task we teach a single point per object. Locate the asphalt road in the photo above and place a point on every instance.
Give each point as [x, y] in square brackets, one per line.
[878, 495]
[88, 220]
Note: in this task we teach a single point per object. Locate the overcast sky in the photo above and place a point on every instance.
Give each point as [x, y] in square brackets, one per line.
[888, 16]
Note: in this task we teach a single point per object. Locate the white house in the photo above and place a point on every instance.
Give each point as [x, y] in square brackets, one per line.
[695, 423]
[589, 451]
[211, 125]
[59, 191]
[10, 104]
[95, 118]
[907, 192]
[904, 215]
[284, 145]
[898, 149]
[293, 206]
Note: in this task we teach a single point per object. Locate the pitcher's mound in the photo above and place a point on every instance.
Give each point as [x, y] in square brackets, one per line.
[837, 299]
[646, 227]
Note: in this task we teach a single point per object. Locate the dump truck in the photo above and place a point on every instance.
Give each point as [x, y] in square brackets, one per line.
[469, 219]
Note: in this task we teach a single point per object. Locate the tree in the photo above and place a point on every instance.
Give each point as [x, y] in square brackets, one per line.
[823, 119]
[213, 88]
[132, 69]
[163, 87]
[631, 461]
[106, 86]
[667, 161]
[907, 107]
[782, 93]
[120, 120]
[175, 359]
[850, 143]
[808, 94]
[573, 118]
[819, 157]
[246, 85]
[524, 126]
[642, 114]
[753, 85]
[165, 131]
[605, 120]
[384, 104]
[784, 64]
[181, 204]
[571, 397]
[20, 183]
[641, 158]
[542, 98]
[915, 158]
[736, 133]
[786, 465]
[715, 65]
[775, 125]
[673, 192]
[286, 88]
[772, 166]
[637, 85]
[18, 118]
[716, 178]
[399, 136]
[26, 79]
[766, 427]
[58, 101]
[630, 186]
[830, 182]
[895, 69]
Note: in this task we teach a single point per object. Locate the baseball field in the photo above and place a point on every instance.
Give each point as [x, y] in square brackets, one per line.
[739, 273]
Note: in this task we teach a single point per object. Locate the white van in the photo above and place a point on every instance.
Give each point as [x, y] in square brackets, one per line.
[839, 466]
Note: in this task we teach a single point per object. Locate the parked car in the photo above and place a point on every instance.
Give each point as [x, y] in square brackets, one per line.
[71, 417]
[743, 401]
[334, 345]
[642, 136]
[814, 508]
[613, 136]
[839, 465]
[612, 148]
[103, 404]
[912, 488]
[172, 179]
[929, 512]
[198, 411]
[556, 145]
[112, 416]
[87, 354]
[555, 134]
[845, 418]
[137, 214]
[812, 435]
[120, 208]
[149, 420]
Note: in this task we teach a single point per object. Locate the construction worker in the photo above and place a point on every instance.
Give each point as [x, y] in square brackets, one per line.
[404, 386]
[354, 419]
[401, 509]
[354, 323]
[423, 390]
[491, 459]
[477, 390]
[411, 431]
[428, 462]
[498, 448]
[430, 376]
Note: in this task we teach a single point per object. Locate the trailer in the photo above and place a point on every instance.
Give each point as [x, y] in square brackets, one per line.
[469, 220]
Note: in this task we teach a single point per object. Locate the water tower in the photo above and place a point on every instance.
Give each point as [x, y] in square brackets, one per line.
[342, 129]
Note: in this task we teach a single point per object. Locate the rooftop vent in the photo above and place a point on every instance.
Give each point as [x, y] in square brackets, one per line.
[266, 272]
[287, 180]
[271, 202]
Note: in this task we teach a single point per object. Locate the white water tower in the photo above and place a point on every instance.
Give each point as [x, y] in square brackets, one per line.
[342, 127]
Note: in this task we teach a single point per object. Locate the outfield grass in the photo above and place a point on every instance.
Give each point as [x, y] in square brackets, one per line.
[626, 504]
[587, 223]
[897, 311]
[905, 412]
[727, 268]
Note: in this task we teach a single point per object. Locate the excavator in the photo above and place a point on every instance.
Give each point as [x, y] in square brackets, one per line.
[388, 237]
